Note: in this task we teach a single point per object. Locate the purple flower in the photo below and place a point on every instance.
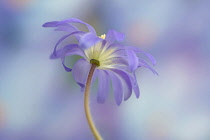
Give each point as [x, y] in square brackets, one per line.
[114, 62]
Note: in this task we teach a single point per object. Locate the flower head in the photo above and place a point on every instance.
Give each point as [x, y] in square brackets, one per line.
[114, 62]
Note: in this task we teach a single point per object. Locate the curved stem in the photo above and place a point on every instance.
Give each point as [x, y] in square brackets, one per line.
[91, 124]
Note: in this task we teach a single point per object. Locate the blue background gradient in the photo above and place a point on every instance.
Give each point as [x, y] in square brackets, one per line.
[40, 101]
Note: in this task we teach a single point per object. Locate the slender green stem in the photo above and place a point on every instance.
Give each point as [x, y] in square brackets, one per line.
[91, 124]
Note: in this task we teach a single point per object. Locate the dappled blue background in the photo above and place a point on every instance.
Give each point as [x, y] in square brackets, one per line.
[40, 101]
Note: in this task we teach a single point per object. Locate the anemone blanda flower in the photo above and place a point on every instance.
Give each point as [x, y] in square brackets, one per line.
[114, 62]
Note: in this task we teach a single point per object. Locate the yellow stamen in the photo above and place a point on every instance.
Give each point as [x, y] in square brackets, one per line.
[102, 36]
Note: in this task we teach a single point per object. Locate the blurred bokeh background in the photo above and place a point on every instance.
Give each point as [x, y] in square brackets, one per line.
[40, 101]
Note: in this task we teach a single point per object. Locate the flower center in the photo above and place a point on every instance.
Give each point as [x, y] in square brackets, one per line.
[96, 62]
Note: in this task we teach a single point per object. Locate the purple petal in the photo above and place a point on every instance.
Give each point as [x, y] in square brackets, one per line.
[74, 20]
[54, 24]
[116, 62]
[71, 49]
[135, 86]
[132, 79]
[88, 40]
[137, 50]
[65, 26]
[144, 64]
[132, 60]
[136, 91]
[61, 26]
[113, 35]
[117, 87]
[63, 38]
[68, 50]
[103, 86]
[95, 75]
[126, 82]
[103, 44]
[80, 72]
[65, 67]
